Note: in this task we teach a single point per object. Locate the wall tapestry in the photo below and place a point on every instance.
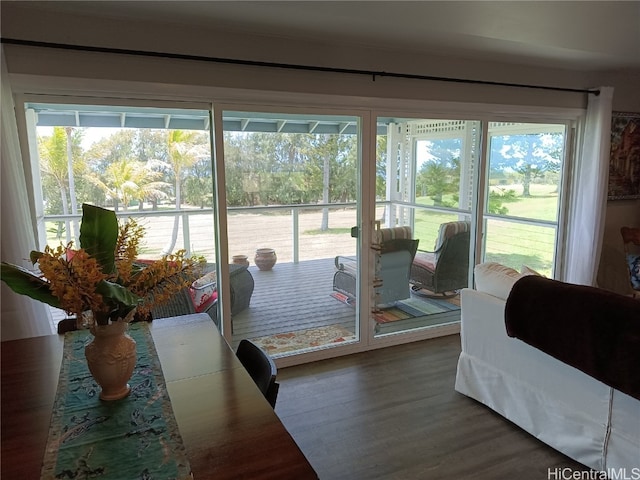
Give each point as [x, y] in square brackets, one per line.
[624, 164]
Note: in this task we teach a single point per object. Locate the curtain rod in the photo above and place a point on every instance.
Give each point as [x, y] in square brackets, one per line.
[254, 63]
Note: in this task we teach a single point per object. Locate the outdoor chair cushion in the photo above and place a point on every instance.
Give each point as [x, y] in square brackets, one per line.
[203, 292]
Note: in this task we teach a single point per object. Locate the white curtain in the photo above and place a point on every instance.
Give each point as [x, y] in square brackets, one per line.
[21, 316]
[589, 202]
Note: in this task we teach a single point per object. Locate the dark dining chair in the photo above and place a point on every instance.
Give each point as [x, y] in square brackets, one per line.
[261, 368]
[67, 325]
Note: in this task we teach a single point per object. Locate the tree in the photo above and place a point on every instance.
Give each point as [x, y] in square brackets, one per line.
[198, 187]
[439, 169]
[184, 149]
[439, 173]
[530, 155]
[61, 161]
[126, 180]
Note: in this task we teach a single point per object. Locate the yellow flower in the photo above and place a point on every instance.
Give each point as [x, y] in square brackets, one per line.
[73, 277]
[79, 284]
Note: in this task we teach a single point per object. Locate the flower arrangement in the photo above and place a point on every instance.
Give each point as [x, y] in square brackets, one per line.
[104, 277]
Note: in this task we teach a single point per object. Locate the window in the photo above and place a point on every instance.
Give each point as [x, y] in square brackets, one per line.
[525, 164]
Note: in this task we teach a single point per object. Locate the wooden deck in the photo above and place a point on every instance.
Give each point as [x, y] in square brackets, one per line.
[292, 297]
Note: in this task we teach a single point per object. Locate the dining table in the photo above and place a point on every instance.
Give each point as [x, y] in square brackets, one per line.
[228, 428]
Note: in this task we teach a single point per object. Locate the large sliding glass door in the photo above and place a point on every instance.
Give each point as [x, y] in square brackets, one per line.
[291, 183]
[502, 205]
[276, 211]
[426, 175]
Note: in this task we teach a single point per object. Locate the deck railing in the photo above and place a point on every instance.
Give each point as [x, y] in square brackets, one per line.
[295, 231]
[248, 228]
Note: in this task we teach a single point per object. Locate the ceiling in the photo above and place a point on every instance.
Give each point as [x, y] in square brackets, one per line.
[577, 35]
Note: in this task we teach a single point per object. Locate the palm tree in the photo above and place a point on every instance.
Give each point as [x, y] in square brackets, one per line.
[59, 160]
[184, 151]
[126, 180]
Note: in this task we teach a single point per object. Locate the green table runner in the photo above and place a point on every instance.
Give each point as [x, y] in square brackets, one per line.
[133, 438]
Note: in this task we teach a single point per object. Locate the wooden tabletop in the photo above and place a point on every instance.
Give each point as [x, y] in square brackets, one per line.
[228, 428]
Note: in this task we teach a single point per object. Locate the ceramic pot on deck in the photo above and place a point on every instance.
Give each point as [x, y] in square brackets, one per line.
[240, 260]
[265, 258]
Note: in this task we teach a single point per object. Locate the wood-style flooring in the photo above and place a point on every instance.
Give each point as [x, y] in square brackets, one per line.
[394, 414]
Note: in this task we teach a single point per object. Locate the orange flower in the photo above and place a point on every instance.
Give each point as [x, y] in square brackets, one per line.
[72, 278]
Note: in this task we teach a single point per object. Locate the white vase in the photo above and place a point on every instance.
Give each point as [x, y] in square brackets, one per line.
[111, 357]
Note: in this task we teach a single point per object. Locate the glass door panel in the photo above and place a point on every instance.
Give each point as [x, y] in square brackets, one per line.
[152, 164]
[523, 194]
[425, 171]
[516, 244]
[292, 190]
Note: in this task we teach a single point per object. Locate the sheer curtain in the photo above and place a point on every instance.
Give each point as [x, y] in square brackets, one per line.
[589, 203]
[21, 316]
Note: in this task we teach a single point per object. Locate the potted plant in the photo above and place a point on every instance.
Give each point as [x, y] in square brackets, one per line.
[104, 285]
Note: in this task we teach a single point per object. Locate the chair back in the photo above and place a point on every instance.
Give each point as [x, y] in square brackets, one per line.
[447, 268]
[383, 235]
[456, 233]
[180, 304]
[395, 253]
[261, 368]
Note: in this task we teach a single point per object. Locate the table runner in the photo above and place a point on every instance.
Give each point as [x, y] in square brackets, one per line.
[136, 437]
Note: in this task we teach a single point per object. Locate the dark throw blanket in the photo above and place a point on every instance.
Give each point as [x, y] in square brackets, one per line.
[593, 330]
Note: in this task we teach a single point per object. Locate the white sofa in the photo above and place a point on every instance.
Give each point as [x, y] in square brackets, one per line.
[567, 409]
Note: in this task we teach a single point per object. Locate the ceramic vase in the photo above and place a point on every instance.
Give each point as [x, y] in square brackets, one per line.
[265, 258]
[240, 260]
[111, 357]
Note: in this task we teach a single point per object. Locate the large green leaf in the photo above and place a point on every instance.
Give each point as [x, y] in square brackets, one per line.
[99, 234]
[117, 295]
[22, 281]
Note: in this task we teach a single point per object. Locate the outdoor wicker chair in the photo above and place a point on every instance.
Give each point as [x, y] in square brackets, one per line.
[444, 270]
[396, 250]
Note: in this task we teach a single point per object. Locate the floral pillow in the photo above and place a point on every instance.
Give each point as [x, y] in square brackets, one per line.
[203, 292]
[634, 267]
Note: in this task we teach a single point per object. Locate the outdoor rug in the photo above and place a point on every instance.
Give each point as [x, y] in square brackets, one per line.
[303, 339]
[414, 307]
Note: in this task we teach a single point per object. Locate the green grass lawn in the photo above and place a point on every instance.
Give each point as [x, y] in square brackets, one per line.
[509, 243]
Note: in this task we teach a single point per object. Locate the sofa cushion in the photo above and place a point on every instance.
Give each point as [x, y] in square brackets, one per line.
[425, 260]
[495, 279]
[526, 270]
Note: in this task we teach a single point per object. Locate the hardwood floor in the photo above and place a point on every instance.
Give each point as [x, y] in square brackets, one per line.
[393, 414]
